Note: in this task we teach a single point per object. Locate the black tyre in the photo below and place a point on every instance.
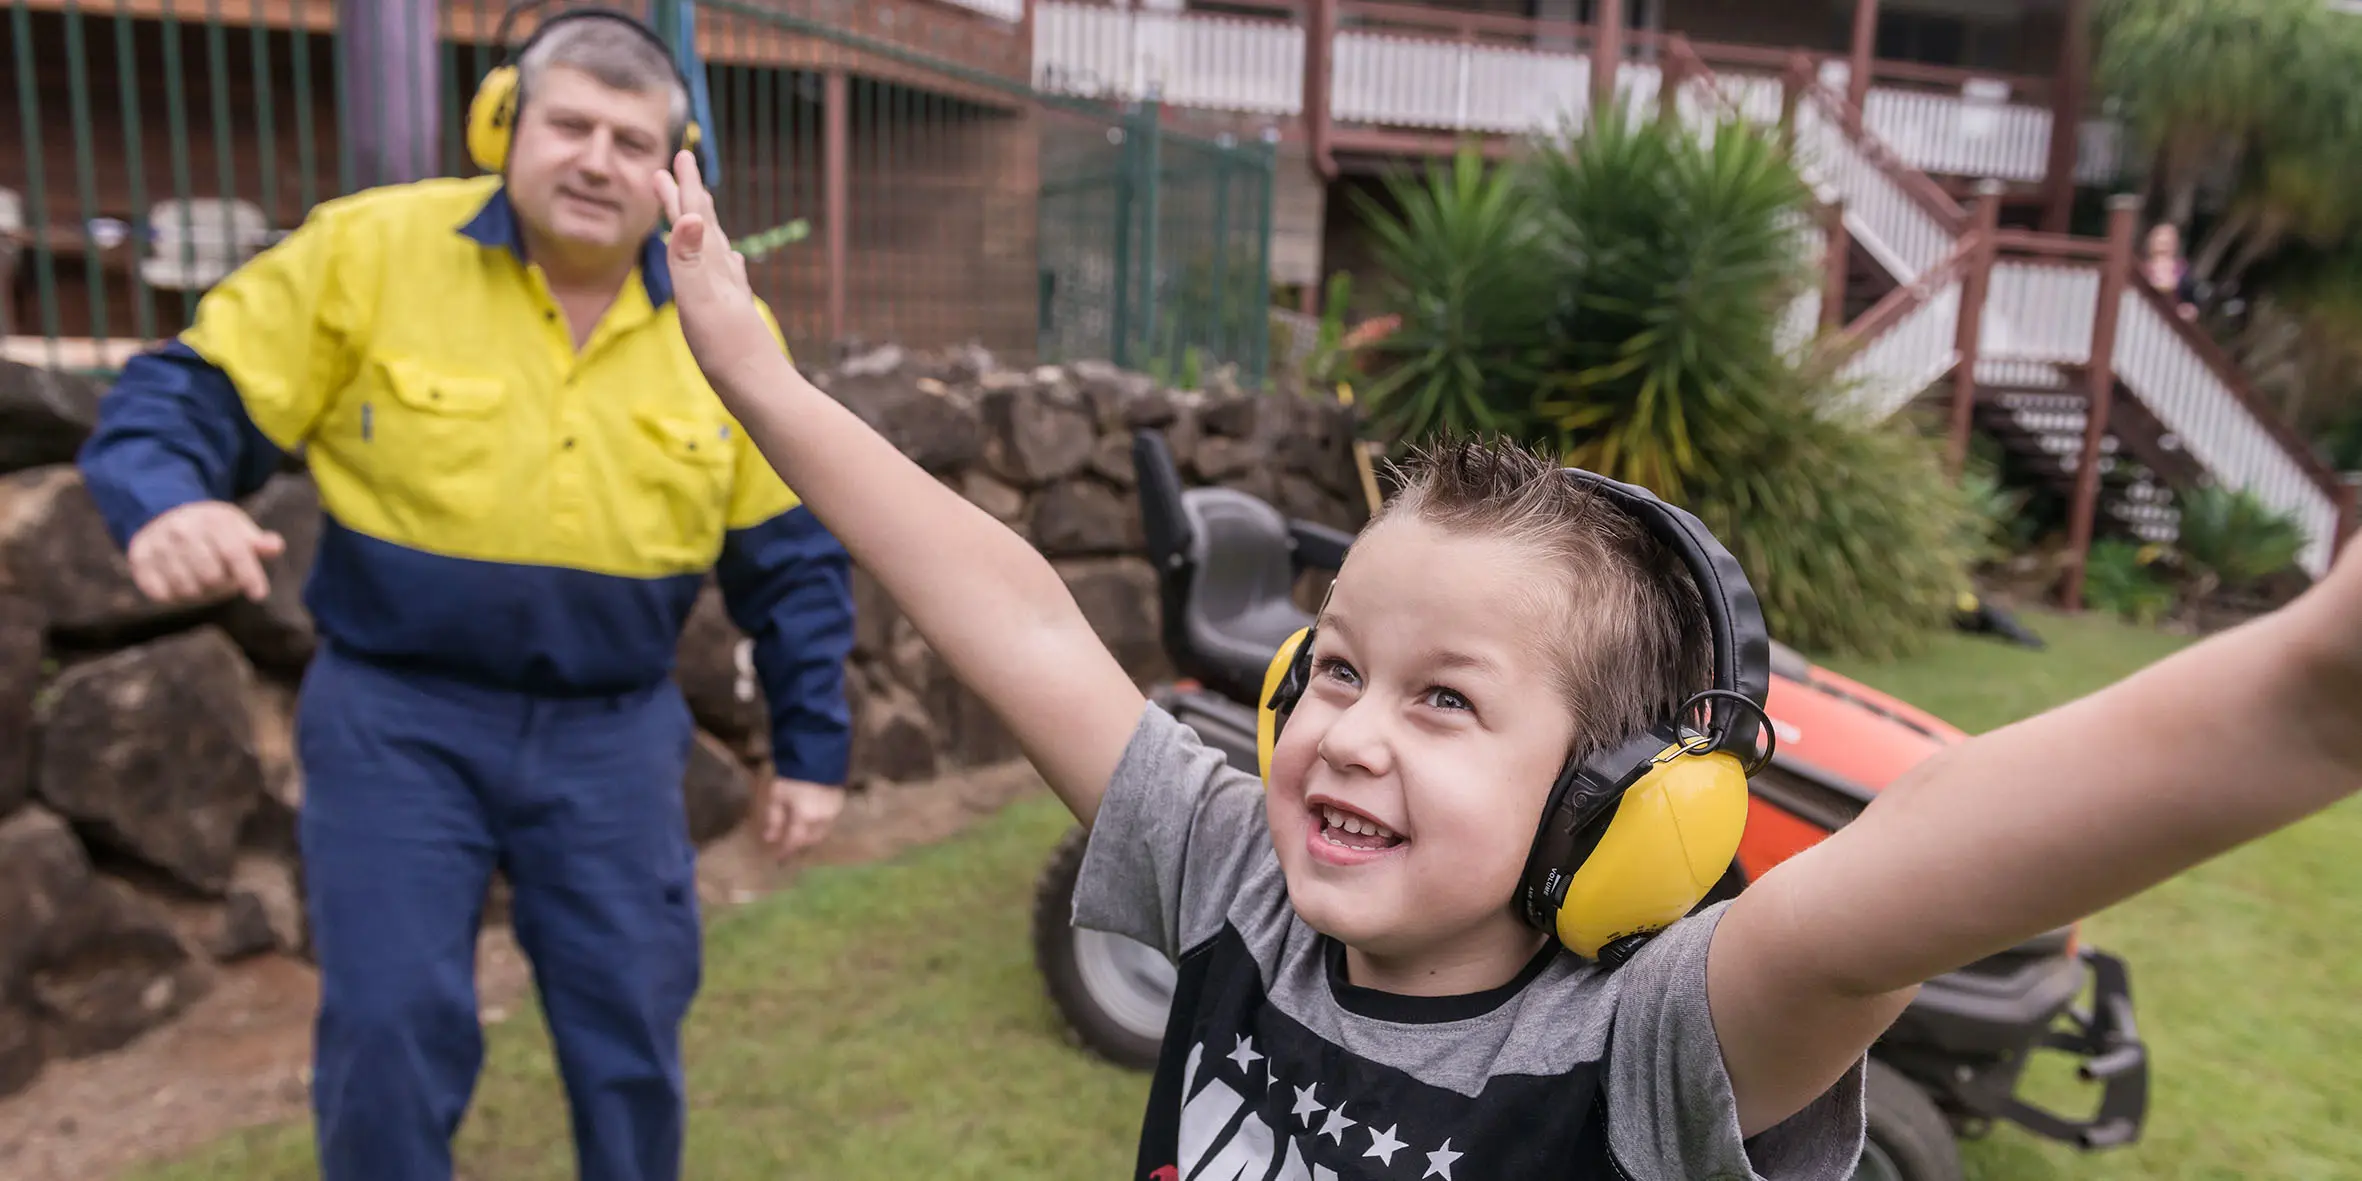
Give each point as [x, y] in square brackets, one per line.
[1909, 1139]
[1113, 992]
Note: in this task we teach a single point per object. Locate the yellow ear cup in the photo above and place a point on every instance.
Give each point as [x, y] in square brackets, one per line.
[1267, 719]
[492, 118]
[691, 136]
[1673, 834]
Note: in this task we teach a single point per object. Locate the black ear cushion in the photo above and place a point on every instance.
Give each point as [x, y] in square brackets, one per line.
[1576, 815]
[1291, 686]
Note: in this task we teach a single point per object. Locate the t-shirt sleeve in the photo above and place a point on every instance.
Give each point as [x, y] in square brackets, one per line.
[1175, 834]
[1671, 1113]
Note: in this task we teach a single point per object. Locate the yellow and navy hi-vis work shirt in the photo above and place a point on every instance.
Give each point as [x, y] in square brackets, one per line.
[499, 507]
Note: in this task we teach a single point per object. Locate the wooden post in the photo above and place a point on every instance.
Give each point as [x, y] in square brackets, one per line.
[1857, 78]
[836, 161]
[1320, 38]
[1834, 260]
[1607, 51]
[1025, 39]
[1798, 75]
[2347, 515]
[1672, 75]
[2066, 116]
[1970, 323]
[2100, 392]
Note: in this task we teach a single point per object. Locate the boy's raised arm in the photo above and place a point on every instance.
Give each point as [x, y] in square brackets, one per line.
[2034, 826]
[987, 602]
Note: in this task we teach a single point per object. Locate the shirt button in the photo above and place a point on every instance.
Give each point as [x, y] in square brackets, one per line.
[550, 314]
[569, 444]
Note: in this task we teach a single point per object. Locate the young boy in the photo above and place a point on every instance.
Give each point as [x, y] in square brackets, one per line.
[1358, 998]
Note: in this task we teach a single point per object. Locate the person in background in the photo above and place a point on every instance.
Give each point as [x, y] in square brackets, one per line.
[526, 482]
[2164, 267]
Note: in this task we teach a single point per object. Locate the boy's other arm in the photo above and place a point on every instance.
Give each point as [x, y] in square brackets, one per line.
[2031, 827]
[982, 597]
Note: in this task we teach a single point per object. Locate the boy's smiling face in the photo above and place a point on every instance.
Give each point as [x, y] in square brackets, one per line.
[1432, 727]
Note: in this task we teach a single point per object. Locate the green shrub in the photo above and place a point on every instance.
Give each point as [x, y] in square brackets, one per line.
[1460, 269]
[1855, 539]
[2121, 576]
[1617, 299]
[2230, 539]
[1672, 259]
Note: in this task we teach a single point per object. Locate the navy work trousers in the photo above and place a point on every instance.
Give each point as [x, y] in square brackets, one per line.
[415, 789]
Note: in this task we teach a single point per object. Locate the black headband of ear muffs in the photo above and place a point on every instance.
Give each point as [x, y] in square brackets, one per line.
[1734, 617]
[507, 27]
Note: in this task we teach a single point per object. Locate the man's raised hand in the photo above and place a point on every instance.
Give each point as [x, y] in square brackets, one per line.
[719, 316]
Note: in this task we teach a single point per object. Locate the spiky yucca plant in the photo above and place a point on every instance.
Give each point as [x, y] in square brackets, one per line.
[1672, 257]
[1616, 297]
[1463, 278]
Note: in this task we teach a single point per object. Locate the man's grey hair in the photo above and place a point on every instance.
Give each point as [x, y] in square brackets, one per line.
[616, 56]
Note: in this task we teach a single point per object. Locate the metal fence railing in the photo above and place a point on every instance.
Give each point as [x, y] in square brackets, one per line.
[1155, 246]
[898, 175]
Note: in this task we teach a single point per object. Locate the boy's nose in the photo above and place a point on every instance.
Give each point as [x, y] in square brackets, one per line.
[1356, 739]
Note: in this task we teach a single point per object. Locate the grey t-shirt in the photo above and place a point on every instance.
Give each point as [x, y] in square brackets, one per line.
[1274, 1066]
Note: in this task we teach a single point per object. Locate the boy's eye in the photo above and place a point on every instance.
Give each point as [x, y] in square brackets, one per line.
[1442, 698]
[1336, 670]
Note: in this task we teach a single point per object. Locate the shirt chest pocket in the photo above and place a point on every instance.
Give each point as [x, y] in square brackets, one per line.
[681, 463]
[435, 441]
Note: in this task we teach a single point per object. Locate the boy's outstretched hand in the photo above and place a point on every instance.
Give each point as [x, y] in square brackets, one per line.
[719, 316]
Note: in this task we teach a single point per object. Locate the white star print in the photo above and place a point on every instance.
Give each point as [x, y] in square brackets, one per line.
[1383, 1145]
[1334, 1129]
[1245, 1054]
[1439, 1162]
[1306, 1105]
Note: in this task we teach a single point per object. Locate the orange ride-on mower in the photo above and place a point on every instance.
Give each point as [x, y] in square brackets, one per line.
[1949, 1067]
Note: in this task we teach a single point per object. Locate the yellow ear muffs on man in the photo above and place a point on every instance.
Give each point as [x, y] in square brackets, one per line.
[492, 113]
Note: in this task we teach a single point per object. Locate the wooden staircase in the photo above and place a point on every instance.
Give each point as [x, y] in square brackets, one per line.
[2046, 310]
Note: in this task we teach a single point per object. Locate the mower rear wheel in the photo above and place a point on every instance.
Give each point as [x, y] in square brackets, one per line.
[1909, 1138]
[1113, 992]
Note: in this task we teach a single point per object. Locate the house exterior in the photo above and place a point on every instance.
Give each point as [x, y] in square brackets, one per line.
[901, 133]
[1963, 90]
[1973, 256]
[1002, 171]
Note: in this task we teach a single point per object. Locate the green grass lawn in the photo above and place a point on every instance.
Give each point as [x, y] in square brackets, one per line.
[885, 1021]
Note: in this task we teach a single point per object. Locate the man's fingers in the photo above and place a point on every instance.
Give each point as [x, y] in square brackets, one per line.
[245, 567]
[149, 579]
[204, 558]
[174, 571]
[269, 543]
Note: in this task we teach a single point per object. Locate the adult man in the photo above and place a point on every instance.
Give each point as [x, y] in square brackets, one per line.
[526, 479]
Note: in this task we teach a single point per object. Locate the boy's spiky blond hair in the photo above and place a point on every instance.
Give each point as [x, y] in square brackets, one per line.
[1633, 642]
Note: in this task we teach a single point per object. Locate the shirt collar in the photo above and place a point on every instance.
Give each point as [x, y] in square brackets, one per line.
[495, 225]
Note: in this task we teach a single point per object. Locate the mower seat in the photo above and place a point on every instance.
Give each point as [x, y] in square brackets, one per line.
[1242, 573]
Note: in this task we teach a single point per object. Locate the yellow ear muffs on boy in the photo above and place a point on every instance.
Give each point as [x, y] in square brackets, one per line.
[492, 113]
[1633, 837]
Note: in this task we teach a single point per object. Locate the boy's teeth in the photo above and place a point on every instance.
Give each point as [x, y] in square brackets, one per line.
[1346, 822]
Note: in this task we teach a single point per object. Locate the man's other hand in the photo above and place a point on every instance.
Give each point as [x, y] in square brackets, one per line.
[798, 815]
[203, 551]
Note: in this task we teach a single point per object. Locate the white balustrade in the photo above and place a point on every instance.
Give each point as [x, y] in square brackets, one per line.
[1215, 62]
[2212, 423]
[1008, 10]
[1903, 361]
